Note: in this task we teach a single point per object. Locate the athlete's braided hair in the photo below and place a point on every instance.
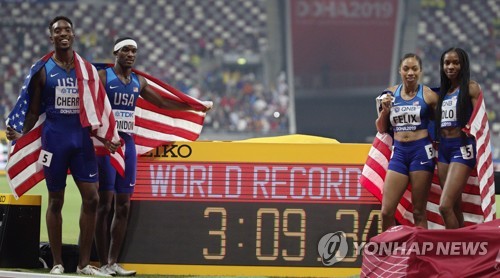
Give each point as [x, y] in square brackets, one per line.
[464, 102]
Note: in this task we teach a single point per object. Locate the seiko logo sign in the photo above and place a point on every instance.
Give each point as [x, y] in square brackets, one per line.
[3, 198]
[182, 151]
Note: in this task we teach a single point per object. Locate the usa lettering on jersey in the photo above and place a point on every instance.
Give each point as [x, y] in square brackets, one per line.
[124, 99]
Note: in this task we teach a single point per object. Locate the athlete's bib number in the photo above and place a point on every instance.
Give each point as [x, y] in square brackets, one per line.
[449, 112]
[125, 120]
[467, 151]
[67, 100]
[45, 158]
[429, 149]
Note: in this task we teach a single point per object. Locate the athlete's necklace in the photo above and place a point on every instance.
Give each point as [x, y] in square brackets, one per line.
[66, 65]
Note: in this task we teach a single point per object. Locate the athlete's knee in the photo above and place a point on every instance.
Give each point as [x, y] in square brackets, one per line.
[103, 208]
[122, 209]
[105, 204]
[387, 212]
[90, 201]
[419, 215]
[446, 208]
[55, 204]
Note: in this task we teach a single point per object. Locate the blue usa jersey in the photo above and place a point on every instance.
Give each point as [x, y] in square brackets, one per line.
[123, 98]
[449, 110]
[60, 93]
[409, 115]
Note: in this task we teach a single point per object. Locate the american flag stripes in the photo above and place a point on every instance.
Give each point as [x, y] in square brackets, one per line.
[479, 128]
[23, 171]
[478, 197]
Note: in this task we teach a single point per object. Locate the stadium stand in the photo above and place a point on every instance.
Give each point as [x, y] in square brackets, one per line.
[181, 42]
[473, 26]
[188, 44]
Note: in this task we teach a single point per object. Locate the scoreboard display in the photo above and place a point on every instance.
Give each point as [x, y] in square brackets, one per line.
[249, 207]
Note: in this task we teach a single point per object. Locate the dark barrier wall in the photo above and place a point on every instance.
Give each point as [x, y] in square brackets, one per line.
[349, 119]
[19, 231]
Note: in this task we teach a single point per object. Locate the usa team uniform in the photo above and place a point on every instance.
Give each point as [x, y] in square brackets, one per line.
[411, 115]
[123, 98]
[65, 143]
[461, 150]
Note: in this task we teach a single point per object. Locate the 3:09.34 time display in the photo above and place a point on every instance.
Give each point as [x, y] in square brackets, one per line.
[244, 233]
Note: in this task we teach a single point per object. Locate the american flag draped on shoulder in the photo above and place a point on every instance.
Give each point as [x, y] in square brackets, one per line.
[478, 197]
[155, 126]
[23, 170]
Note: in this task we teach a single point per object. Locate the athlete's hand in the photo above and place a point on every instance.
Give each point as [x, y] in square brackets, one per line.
[112, 147]
[387, 103]
[12, 134]
[208, 105]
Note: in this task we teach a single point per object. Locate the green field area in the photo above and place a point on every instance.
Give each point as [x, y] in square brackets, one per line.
[71, 209]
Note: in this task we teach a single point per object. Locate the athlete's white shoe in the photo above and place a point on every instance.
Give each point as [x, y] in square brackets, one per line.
[105, 268]
[92, 271]
[120, 271]
[57, 269]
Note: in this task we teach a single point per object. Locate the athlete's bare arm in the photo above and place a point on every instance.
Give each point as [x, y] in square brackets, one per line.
[431, 97]
[474, 92]
[102, 76]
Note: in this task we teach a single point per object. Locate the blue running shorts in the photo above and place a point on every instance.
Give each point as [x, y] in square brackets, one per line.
[412, 156]
[457, 150]
[68, 146]
[109, 179]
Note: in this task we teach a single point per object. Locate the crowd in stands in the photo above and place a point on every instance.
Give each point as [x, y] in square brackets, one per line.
[185, 50]
[245, 104]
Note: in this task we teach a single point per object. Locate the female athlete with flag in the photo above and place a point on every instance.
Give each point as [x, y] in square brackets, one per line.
[457, 151]
[405, 110]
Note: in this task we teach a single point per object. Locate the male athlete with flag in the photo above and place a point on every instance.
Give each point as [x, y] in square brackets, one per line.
[147, 112]
[62, 103]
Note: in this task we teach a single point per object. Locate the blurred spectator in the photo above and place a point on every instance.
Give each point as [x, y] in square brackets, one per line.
[3, 153]
[4, 110]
